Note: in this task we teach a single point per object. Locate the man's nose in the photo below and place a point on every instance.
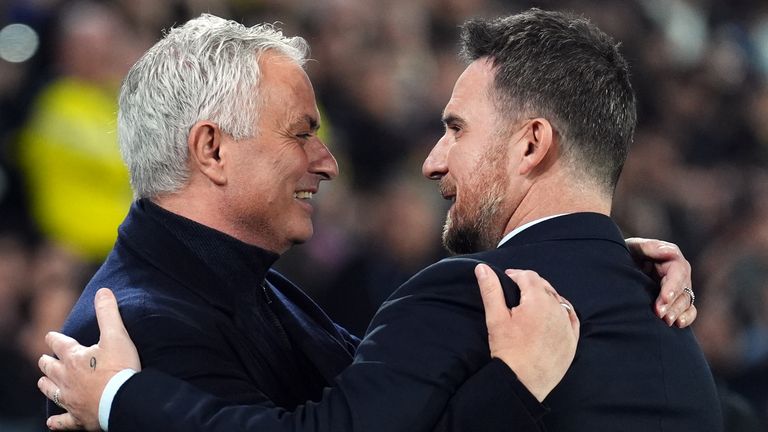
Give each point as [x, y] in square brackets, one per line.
[322, 161]
[436, 164]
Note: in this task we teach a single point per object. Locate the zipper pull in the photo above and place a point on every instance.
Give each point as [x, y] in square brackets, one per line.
[266, 293]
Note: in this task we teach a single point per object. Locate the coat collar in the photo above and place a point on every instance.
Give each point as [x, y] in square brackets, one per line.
[573, 226]
[218, 267]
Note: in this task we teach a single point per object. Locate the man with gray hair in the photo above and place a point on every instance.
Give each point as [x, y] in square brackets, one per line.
[204, 306]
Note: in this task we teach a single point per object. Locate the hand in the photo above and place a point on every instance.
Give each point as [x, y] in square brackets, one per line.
[81, 373]
[665, 261]
[537, 338]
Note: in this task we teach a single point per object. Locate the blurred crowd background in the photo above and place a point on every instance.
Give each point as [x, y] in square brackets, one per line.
[697, 174]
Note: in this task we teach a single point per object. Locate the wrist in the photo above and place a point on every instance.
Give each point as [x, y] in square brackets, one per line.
[108, 395]
[529, 375]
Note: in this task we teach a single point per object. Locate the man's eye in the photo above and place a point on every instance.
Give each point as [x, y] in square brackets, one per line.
[452, 127]
[453, 130]
[304, 135]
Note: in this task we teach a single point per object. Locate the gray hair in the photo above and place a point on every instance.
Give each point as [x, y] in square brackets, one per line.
[206, 69]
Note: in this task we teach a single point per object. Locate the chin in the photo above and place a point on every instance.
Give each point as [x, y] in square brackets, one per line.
[303, 235]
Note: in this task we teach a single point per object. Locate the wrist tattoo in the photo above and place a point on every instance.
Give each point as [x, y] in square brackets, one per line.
[93, 363]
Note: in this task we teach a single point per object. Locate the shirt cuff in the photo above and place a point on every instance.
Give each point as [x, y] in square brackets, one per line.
[108, 395]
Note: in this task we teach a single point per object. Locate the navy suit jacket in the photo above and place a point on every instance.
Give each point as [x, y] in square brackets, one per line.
[631, 371]
[203, 307]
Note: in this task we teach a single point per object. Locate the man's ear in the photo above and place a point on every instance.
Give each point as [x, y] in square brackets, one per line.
[539, 146]
[204, 141]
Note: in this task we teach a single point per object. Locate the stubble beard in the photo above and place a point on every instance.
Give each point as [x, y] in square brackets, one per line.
[476, 225]
[461, 236]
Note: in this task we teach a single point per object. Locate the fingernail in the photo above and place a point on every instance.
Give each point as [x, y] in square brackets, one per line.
[670, 320]
[663, 310]
[482, 270]
[671, 295]
[511, 272]
[682, 321]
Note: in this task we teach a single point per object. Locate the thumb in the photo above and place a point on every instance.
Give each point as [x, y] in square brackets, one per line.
[111, 324]
[492, 294]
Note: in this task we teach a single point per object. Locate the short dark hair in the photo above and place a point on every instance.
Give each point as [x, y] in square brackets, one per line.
[561, 67]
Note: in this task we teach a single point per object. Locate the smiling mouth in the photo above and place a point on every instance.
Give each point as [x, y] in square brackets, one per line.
[449, 196]
[447, 191]
[304, 195]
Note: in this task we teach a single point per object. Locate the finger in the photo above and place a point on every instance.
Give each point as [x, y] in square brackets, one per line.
[654, 250]
[575, 324]
[675, 275]
[492, 294]
[565, 304]
[63, 422]
[531, 285]
[50, 366]
[680, 305]
[108, 316]
[570, 310]
[47, 387]
[60, 344]
[687, 317]
[530, 277]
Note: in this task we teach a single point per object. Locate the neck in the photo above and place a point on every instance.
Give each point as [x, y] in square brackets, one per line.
[208, 212]
[544, 200]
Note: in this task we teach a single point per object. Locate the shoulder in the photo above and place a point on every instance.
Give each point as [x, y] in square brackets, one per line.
[449, 270]
[450, 274]
[451, 281]
[148, 309]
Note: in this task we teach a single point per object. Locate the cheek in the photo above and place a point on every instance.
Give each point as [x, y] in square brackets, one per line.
[466, 163]
[291, 160]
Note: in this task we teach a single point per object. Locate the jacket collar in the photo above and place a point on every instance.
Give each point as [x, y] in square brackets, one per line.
[573, 226]
[218, 267]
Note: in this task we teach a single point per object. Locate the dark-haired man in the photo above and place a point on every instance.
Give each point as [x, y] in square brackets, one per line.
[531, 154]
[537, 131]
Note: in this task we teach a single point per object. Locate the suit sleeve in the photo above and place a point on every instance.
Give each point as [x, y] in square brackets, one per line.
[422, 345]
[180, 357]
[493, 400]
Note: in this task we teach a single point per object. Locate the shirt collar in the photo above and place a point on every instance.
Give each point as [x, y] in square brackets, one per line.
[523, 227]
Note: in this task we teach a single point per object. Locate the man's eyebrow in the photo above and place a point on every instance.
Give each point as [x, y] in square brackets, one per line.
[314, 124]
[452, 119]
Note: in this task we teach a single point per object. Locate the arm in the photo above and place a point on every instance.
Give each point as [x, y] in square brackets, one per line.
[674, 268]
[149, 388]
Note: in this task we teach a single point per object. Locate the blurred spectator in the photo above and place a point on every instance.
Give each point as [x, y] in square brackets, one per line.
[77, 183]
[37, 289]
